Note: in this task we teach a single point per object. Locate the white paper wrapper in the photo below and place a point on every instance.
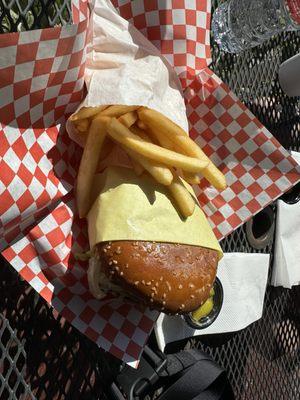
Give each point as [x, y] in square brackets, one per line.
[286, 271]
[129, 207]
[123, 67]
[244, 278]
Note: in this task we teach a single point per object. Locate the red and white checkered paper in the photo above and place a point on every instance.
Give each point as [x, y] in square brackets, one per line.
[41, 81]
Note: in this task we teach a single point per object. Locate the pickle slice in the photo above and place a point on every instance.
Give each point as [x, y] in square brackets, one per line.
[204, 310]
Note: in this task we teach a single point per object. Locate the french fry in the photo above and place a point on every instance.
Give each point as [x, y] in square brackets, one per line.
[128, 119]
[143, 134]
[182, 197]
[89, 163]
[82, 125]
[118, 110]
[163, 140]
[141, 125]
[86, 112]
[163, 126]
[192, 179]
[128, 139]
[160, 172]
[138, 169]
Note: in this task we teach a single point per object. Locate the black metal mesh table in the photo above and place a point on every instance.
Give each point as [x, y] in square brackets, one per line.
[43, 357]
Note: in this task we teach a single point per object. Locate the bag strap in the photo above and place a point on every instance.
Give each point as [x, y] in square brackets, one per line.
[197, 376]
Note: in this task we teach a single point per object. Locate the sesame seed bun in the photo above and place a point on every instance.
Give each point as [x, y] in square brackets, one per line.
[174, 278]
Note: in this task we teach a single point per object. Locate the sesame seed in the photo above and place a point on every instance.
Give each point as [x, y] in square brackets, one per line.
[154, 289]
[105, 250]
[143, 282]
[161, 278]
[136, 283]
[191, 285]
[156, 284]
[126, 266]
[117, 268]
[162, 309]
[151, 300]
[110, 262]
[192, 296]
[164, 295]
[118, 251]
[148, 283]
[152, 295]
[121, 273]
[180, 287]
[182, 306]
[164, 303]
[115, 262]
[169, 286]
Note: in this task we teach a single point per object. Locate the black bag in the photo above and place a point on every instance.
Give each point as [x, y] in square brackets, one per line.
[187, 375]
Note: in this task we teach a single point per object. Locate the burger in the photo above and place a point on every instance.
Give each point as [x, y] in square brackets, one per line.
[166, 263]
[173, 278]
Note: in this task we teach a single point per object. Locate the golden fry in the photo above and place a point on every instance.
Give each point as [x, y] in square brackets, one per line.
[163, 126]
[160, 172]
[86, 112]
[118, 110]
[142, 134]
[82, 125]
[182, 197]
[128, 139]
[141, 125]
[192, 179]
[128, 119]
[138, 169]
[162, 139]
[146, 135]
[89, 163]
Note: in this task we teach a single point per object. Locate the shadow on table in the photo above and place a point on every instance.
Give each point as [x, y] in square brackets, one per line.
[57, 361]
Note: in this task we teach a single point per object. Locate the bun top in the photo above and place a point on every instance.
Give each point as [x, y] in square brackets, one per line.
[173, 278]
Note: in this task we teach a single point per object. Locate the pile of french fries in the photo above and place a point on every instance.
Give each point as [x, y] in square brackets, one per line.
[154, 144]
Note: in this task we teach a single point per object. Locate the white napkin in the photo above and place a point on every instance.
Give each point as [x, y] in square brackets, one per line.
[244, 279]
[286, 268]
[296, 156]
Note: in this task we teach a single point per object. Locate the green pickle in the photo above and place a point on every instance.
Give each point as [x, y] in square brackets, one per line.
[205, 309]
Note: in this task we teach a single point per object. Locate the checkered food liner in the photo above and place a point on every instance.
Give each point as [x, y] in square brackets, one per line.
[42, 82]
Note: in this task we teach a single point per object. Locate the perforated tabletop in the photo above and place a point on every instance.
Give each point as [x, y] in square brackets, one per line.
[43, 357]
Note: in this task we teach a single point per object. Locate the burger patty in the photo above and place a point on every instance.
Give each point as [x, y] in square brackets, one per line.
[174, 278]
